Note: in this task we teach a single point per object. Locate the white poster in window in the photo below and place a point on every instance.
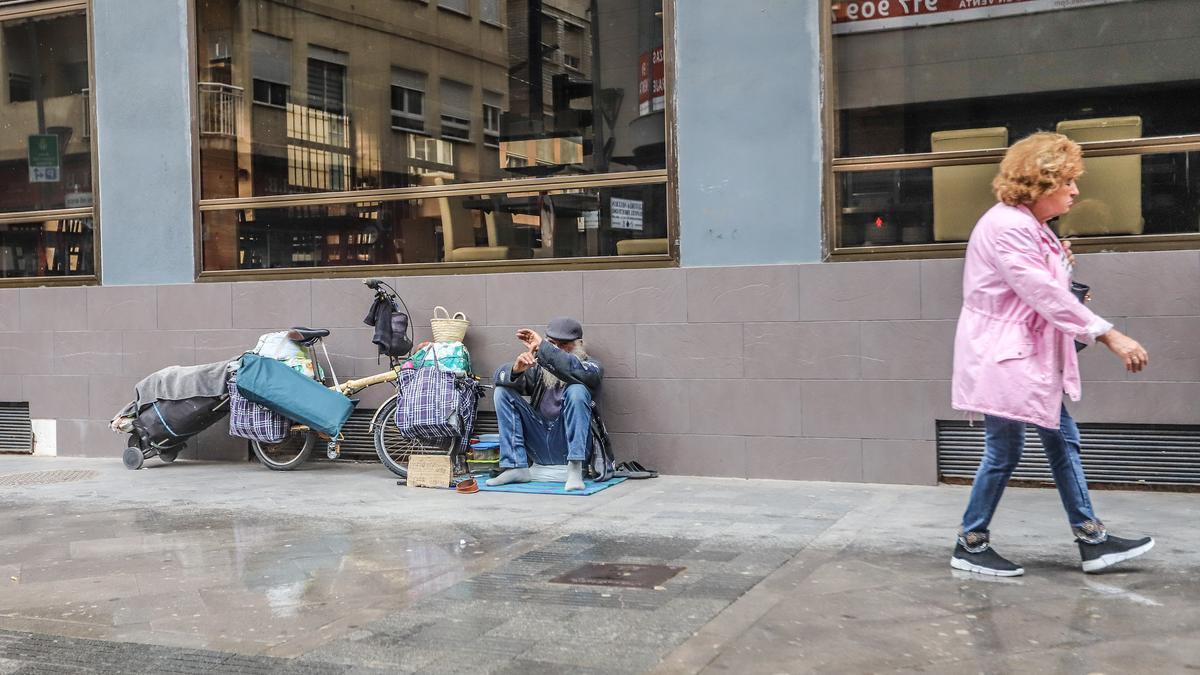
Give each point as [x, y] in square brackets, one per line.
[626, 214]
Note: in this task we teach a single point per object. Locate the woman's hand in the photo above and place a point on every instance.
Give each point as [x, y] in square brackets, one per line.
[1066, 244]
[1127, 349]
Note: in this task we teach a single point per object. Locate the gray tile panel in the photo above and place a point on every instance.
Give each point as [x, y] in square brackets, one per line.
[691, 454]
[274, 305]
[634, 296]
[457, 293]
[902, 462]
[49, 308]
[10, 309]
[613, 345]
[875, 409]
[98, 440]
[11, 388]
[493, 346]
[658, 406]
[907, 350]
[195, 306]
[148, 351]
[941, 288]
[802, 350]
[860, 291]
[89, 352]
[748, 407]
[688, 351]
[792, 458]
[26, 353]
[1173, 344]
[340, 303]
[353, 353]
[1098, 364]
[752, 293]
[1162, 283]
[108, 394]
[57, 396]
[1147, 402]
[220, 345]
[122, 307]
[533, 299]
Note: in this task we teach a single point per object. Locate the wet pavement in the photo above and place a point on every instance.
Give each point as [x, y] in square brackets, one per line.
[199, 567]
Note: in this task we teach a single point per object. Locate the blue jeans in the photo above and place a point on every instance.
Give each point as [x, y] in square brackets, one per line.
[1005, 439]
[525, 434]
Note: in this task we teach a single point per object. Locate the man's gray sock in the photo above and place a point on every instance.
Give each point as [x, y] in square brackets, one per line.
[510, 476]
[574, 475]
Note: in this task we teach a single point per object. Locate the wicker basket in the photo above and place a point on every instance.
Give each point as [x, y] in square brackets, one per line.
[448, 328]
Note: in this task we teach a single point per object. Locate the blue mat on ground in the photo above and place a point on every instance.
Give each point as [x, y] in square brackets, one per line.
[547, 487]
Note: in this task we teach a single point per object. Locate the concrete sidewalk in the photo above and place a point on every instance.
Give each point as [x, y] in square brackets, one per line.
[196, 567]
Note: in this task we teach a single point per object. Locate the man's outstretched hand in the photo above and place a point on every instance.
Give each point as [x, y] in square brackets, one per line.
[523, 363]
[531, 339]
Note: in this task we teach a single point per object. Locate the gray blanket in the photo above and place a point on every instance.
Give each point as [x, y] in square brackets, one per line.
[175, 383]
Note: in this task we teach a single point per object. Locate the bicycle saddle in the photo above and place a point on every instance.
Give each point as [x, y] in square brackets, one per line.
[306, 335]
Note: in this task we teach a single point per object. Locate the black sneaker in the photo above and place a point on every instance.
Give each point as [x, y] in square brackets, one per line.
[986, 561]
[1111, 551]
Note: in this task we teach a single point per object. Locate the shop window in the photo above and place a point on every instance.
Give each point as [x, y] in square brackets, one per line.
[45, 147]
[927, 97]
[374, 106]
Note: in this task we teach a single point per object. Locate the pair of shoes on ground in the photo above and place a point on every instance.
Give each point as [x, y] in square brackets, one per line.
[633, 470]
[1095, 557]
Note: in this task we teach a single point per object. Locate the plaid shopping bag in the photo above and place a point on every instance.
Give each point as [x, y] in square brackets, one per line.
[428, 404]
[248, 419]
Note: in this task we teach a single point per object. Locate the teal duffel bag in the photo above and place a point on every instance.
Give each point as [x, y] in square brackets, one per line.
[276, 386]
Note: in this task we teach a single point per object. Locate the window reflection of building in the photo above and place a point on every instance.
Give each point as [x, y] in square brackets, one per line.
[393, 93]
[45, 147]
[905, 87]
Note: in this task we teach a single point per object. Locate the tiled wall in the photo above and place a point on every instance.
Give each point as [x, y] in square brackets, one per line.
[818, 372]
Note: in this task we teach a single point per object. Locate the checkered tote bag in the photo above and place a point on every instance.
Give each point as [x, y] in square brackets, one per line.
[248, 419]
[428, 404]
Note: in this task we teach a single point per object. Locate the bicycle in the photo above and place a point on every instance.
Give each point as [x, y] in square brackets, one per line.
[393, 448]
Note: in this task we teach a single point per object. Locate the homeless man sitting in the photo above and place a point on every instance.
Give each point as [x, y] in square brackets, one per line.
[553, 428]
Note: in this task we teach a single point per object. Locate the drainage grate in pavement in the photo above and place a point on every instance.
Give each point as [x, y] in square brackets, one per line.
[621, 576]
[46, 477]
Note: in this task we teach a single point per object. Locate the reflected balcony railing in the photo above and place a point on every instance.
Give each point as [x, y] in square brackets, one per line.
[220, 108]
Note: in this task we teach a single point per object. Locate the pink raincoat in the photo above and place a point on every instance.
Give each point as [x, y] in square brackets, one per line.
[1014, 352]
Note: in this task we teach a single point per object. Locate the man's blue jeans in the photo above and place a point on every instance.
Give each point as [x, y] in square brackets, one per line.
[526, 435]
[1005, 440]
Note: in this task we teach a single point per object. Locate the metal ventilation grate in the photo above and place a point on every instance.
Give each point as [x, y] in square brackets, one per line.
[1124, 455]
[16, 429]
[359, 444]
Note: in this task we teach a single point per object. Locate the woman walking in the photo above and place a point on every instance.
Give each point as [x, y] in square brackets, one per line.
[1014, 353]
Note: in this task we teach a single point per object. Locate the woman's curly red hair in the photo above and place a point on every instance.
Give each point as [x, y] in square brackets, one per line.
[1035, 166]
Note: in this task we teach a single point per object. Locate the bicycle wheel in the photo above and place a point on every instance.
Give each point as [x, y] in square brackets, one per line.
[286, 454]
[394, 449]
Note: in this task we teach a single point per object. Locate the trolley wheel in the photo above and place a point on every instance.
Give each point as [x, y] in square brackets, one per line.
[168, 456]
[286, 454]
[394, 449]
[133, 458]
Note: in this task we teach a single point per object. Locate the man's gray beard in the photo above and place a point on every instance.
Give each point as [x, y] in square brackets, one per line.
[550, 380]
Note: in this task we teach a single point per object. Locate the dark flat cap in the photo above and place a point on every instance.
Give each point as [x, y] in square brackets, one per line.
[564, 328]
